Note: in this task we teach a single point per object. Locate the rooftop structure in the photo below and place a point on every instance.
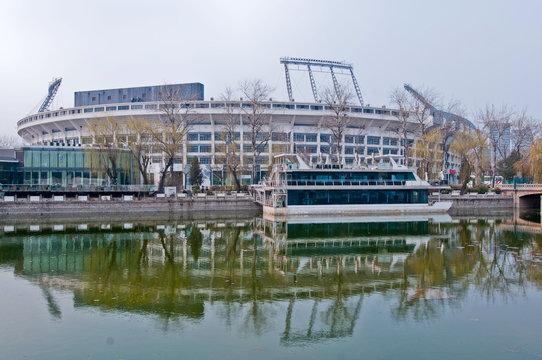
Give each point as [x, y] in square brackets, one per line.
[190, 91]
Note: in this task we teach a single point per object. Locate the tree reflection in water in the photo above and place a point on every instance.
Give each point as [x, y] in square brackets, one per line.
[314, 278]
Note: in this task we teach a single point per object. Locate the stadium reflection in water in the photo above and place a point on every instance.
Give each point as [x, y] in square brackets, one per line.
[280, 284]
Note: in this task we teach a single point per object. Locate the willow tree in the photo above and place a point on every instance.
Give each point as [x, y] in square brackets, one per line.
[103, 156]
[472, 148]
[532, 163]
[430, 155]
[139, 142]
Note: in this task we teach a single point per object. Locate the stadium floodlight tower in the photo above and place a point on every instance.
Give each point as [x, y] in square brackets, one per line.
[53, 88]
[439, 115]
[323, 66]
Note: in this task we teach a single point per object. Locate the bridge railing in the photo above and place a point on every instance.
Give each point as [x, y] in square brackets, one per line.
[521, 187]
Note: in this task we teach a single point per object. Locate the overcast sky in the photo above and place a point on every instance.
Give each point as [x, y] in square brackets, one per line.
[477, 52]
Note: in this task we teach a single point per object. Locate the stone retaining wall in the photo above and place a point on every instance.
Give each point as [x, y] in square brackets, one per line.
[148, 206]
[477, 201]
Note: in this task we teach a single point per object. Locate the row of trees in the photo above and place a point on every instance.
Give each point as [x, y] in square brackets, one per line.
[505, 142]
[168, 136]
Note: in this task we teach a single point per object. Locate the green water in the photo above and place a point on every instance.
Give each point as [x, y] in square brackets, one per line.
[247, 288]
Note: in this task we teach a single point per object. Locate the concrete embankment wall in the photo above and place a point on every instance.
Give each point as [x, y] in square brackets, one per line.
[123, 208]
[478, 204]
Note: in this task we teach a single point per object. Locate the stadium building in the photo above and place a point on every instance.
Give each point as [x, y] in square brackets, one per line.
[297, 126]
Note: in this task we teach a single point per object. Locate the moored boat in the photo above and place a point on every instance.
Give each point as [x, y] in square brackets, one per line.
[295, 188]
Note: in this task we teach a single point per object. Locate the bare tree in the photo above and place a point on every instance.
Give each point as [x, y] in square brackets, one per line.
[525, 130]
[256, 118]
[8, 141]
[449, 122]
[401, 101]
[497, 123]
[337, 100]
[421, 109]
[170, 133]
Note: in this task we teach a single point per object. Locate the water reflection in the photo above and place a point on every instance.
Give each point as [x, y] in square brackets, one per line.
[244, 268]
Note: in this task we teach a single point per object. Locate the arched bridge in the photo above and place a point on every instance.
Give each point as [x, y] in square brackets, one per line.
[525, 195]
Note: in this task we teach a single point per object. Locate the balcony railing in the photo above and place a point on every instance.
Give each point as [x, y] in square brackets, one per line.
[341, 183]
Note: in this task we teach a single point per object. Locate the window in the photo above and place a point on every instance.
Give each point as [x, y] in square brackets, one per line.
[193, 148]
[205, 136]
[299, 137]
[311, 149]
[111, 108]
[324, 138]
[279, 136]
[87, 110]
[349, 150]
[137, 107]
[311, 137]
[204, 160]
[124, 97]
[373, 140]
[372, 150]
[109, 97]
[94, 98]
[205, 148]
[193, 136]
[349, 139]
[124, 107]
[144, 95]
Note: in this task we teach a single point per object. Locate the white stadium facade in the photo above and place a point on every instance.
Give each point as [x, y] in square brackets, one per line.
[297, 127]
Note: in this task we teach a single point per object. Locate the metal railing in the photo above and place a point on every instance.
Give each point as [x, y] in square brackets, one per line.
[200, 104]
[520, 186]
[341, 183]
[79, 188]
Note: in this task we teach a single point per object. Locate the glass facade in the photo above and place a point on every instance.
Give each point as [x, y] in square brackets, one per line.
[69, 167]
[356, 197]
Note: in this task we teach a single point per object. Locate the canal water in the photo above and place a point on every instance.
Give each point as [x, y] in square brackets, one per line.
[248, 288]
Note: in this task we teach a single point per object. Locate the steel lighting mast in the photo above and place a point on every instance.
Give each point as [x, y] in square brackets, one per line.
[53, 88]
[437, 114]
[323, 66]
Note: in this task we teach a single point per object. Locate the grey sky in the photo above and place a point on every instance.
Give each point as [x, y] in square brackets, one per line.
[478, 52]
